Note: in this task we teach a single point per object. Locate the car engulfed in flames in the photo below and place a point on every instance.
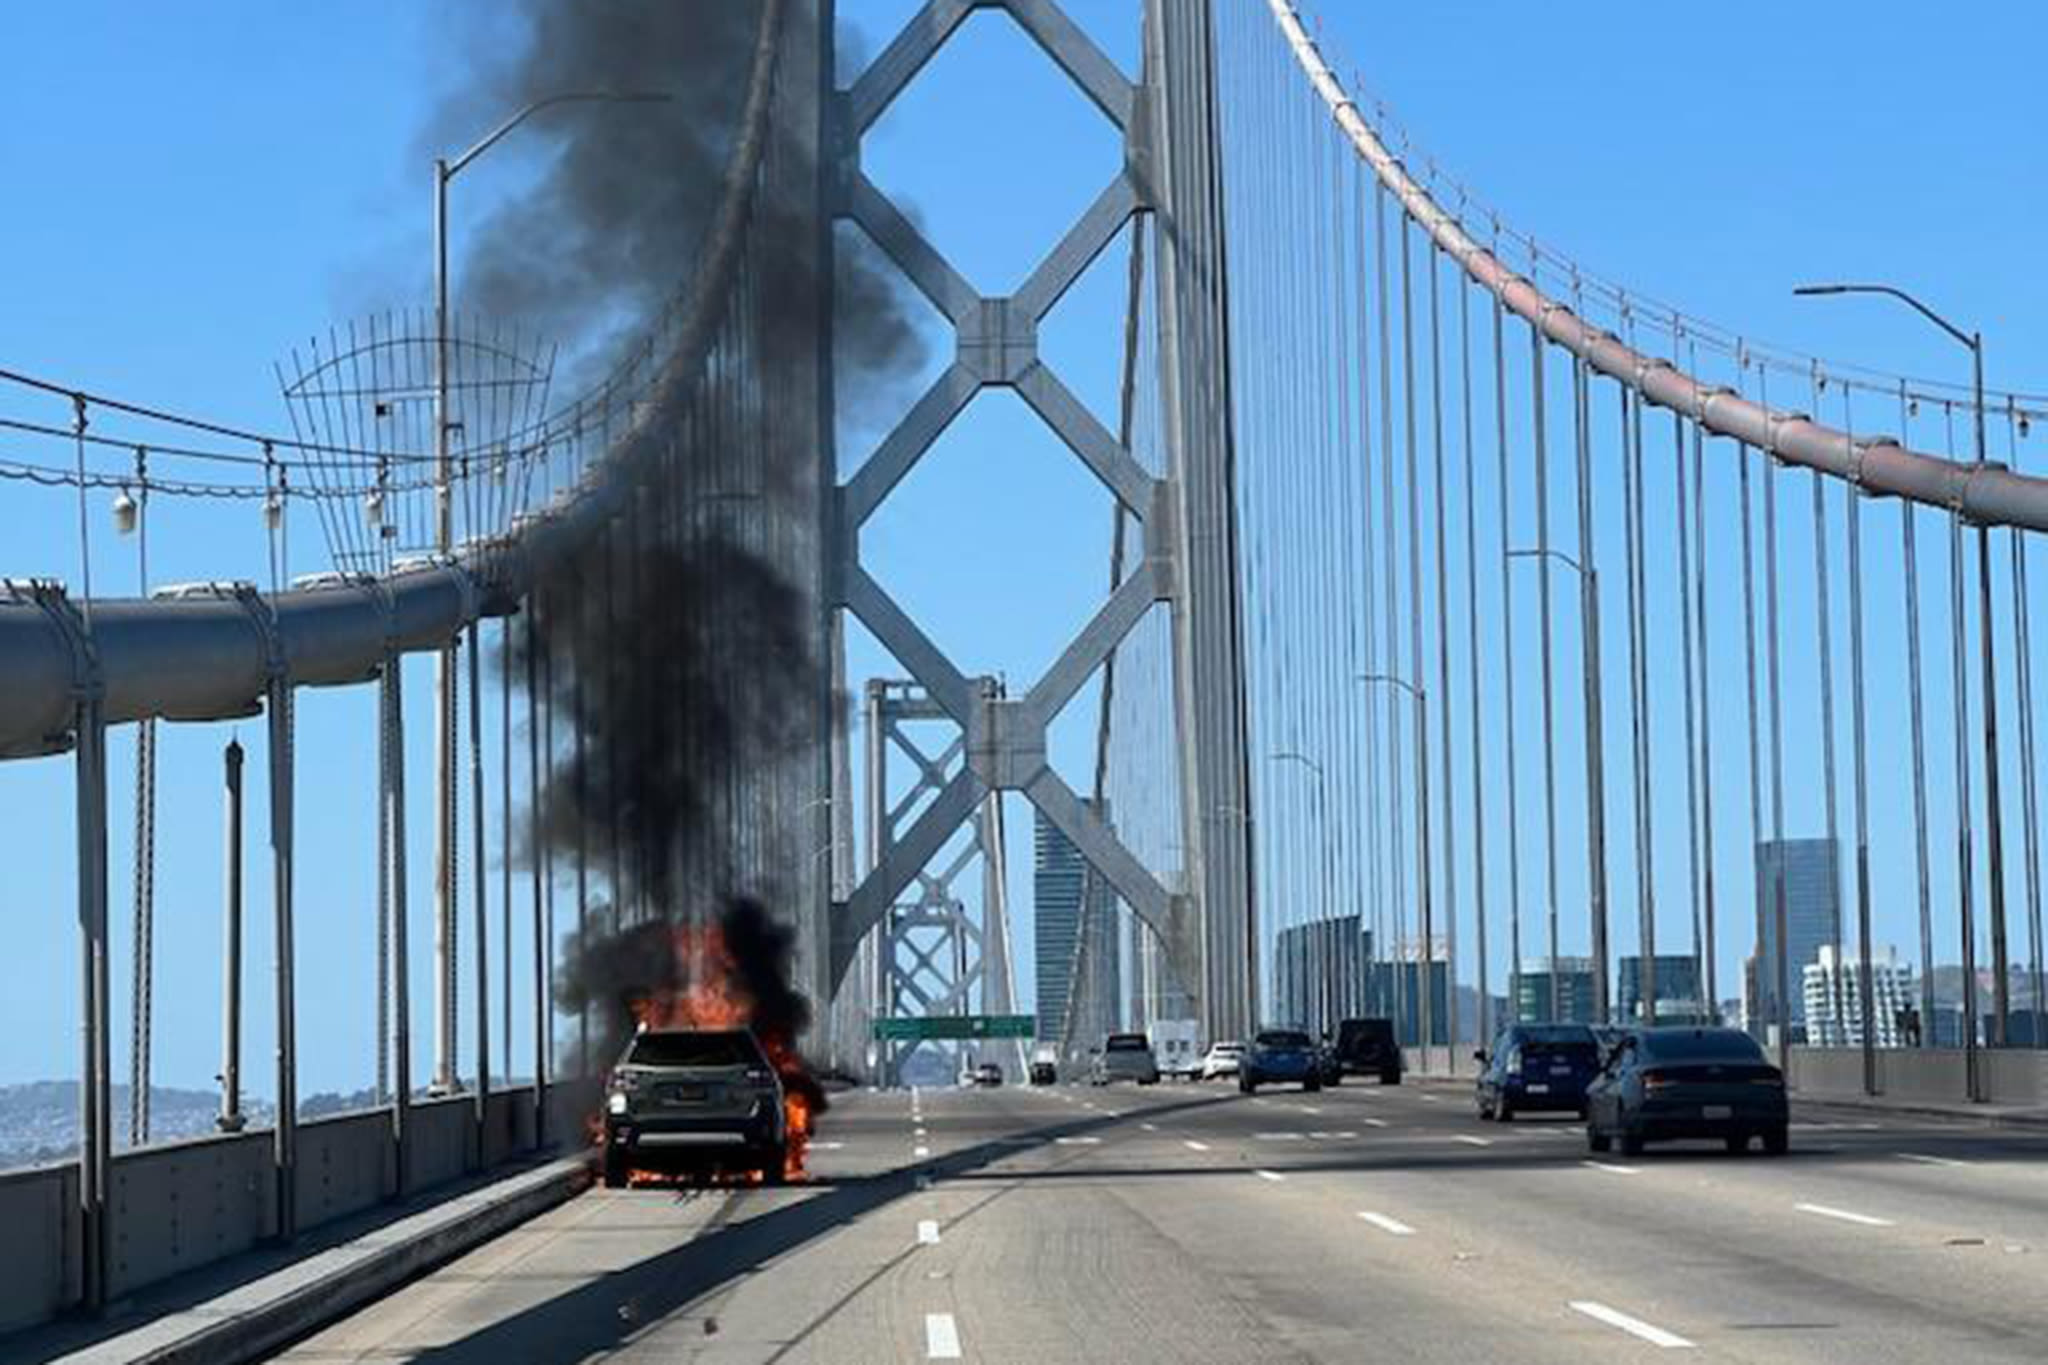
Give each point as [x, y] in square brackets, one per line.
[709, 1085]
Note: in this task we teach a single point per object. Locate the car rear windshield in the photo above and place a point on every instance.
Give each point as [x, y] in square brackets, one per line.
[1280, 1039]
[1125, 1042]
[726, 1047]
[1556, 1035]
[1720, 1044]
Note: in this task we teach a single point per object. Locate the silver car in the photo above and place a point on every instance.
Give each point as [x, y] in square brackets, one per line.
[699, 1098]
[1125, 1057]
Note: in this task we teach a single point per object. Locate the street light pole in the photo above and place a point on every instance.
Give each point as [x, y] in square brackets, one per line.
[445, 170]
[1425, 1030]
[1596, 779]
[1994, 818]
[1326, 928]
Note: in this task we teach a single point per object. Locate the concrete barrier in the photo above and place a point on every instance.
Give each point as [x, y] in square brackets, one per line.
[39, 1209]
[182, 1205]
[1934, 1075]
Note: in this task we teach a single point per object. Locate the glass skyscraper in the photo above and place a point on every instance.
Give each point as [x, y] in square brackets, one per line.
[1811, 869]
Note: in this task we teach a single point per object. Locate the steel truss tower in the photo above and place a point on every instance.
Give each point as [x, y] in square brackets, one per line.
[931, 956]
[1171, 181]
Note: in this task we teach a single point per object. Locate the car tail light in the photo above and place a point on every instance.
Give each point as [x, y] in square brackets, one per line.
[624, 1080]
[1658, 1080]
[1774, 1079]
[759, 1077]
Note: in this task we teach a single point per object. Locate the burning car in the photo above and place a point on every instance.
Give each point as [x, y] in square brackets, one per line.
[701, 1099]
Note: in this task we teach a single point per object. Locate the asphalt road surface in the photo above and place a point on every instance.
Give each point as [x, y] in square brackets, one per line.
[1184, 1223]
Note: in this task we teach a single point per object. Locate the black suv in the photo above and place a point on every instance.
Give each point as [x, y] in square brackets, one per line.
[1366, 1047]
[699, 1098]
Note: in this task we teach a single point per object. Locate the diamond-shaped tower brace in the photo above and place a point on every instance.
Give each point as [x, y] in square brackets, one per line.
[1169, 181]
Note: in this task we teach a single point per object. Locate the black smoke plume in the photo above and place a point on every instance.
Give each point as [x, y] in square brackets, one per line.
[614, 221]
[681, 647]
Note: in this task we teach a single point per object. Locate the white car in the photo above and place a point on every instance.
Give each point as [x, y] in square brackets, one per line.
[1224, 1059]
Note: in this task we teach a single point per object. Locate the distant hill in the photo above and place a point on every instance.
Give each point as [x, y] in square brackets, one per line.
[39, 1120]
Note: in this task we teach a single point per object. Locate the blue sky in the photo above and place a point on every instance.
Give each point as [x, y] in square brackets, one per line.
[193, 195]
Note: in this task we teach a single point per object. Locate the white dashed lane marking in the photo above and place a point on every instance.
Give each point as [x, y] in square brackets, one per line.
[1845, 1215]
[928, 1232]
[1635, 1327]
[1393, 1226]
[941, 1337]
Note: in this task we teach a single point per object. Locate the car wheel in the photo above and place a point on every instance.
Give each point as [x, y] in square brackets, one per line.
[1335, 1080]
[1631, 1143]
[1311, 1086]
[1246, 1086]
[775, 1166]
[1777, 1141]
[615, 1172]
[1390, 1078]
[1737, 1143]
[1503, 1112]
[1597, 1141]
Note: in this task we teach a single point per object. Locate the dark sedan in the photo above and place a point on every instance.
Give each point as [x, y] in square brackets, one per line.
[1536, 1067]
[1665, 1084]
[1285, 1056]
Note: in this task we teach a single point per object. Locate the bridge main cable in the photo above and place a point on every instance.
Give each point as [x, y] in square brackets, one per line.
[1988, 494]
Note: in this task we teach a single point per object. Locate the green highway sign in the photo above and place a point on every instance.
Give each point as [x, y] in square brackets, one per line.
[955, 1026]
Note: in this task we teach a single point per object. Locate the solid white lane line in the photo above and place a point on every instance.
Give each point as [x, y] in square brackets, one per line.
[1194, 1146]
[920, 1152]
[1385, 1224]
[928, 1232]
[941, 1337]
[1635, 1327]
[1473, 1141]
[1846, 1216]
[1611, 1168]
[1264, 1174]
[1926, 1160]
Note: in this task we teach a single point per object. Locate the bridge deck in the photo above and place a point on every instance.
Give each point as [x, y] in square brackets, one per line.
[1188, 1224]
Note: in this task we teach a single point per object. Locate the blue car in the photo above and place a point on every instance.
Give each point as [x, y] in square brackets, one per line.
[1535, 1067]
[1282, 1056]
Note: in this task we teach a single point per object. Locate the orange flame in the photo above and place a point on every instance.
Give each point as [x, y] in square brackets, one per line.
[714, 999]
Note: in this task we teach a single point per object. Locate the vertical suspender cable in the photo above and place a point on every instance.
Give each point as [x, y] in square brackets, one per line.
[1509, 660]
[1756, 992]
[1695, 702]
[2029, 791]
[1823, 622]
[1483, 978]
[1959, 681]
[143, 984]
[1646, 891]
[1781, 969]
[1589, 665]
[505, 827]
[1923, 862]
[1443, 666]
[1858, 762]
[1425, 960]
[1710, 978]
[1396, 854]
[483, 908]
[1540, 422]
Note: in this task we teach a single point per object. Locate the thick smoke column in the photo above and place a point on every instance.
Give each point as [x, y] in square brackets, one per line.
[682, 650]
[613, 224]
